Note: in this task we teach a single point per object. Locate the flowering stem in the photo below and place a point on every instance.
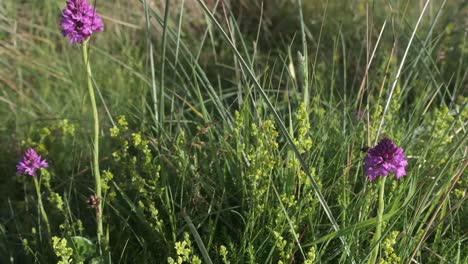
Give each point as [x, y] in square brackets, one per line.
[97, 176]
[378, 230]
[41, 206]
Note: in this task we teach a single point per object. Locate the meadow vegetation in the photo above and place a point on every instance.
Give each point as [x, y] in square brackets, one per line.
[236, 132]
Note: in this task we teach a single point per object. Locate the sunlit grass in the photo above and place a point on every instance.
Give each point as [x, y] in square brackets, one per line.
[235, 133]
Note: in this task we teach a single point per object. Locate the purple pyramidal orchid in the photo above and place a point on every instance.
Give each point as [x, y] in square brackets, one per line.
[384, 158]
[30, 163]
[79, 21]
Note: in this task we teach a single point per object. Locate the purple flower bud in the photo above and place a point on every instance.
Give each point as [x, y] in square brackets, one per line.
[441, 56]
[79, 21]
[30, 163]
[93, 202]
[384, 158]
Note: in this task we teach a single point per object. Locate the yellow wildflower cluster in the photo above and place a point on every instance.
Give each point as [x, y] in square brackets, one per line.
[184, 252]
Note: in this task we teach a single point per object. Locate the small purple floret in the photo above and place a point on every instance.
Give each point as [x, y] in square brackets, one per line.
[30, 163]
[79, 21]
[384, 158]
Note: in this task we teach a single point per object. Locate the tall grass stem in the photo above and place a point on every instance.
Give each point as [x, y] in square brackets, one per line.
[163, 62]
[304, 57]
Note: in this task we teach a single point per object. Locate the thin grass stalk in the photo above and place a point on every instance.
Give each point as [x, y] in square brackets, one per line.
[151, 56]
[163, 61]
[179, 30]
[368, 64]
[304, 58]
[291, 226]
[198, 240]
[97, 174]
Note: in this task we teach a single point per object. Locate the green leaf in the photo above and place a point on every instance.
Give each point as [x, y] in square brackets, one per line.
[83, 248]
[97, 260]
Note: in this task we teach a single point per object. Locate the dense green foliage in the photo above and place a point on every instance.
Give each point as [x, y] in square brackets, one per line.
[198, 165]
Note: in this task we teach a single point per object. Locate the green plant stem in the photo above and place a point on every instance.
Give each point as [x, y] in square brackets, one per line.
[41, 206]
[163, 62]
[97, 175]
[303, 58]
[378, 230]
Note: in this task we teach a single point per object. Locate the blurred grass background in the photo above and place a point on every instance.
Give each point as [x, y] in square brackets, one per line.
[202, 147]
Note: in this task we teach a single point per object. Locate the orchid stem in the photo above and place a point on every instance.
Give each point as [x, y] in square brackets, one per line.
[378, 230]
[41, 206]
[97, 176]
